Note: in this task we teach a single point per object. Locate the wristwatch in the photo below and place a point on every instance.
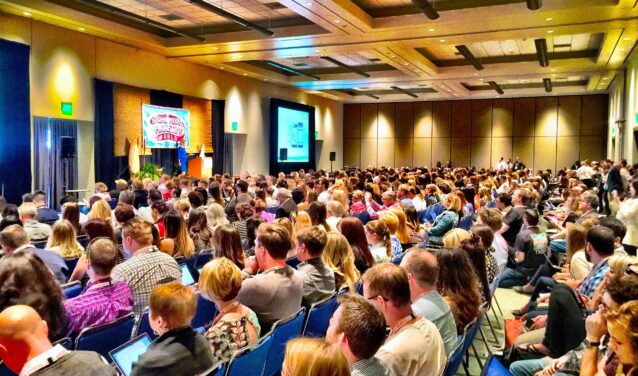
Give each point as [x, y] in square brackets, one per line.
[588, 343]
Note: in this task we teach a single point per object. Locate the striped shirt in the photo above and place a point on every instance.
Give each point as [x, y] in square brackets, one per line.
[370, 367]
[99, 303]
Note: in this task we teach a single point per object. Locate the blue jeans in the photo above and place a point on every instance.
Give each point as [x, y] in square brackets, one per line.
[512, 277]
[530, 367]
[558, 245]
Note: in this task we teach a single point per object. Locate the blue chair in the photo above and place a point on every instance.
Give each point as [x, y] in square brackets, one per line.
[5, 371]
[293, 262]
[363, 216]
[471, 331]
[205, 313]
[83, 240]
[250, 360]
[318, 317]
[143, 325]
[358, 287]
[466, 222]
[104, 338]
[112, 204]
[203, 258]
[40, 245]
[455, 359]
[66, 342]
[72, 289]
[218, 369]
[70, 265]
[272, 209]
[283, 331]
[494, 368]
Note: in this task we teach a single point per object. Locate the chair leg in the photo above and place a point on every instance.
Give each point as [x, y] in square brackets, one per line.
[487, 345]
[498, 306]
[496, 317]
[489, 322]
[478, 357]
[467, 371]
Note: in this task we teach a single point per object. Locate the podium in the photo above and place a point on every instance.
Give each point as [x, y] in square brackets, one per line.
[198, 167]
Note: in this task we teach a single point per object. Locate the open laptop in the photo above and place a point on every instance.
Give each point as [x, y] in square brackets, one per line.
[187, 276]
[125, 355]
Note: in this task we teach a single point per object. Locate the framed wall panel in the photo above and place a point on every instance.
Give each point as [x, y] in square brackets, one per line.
[482, 118]
[404, 126]
[385, 156]
[352, 120]
[523, 147]
[461, 118]
[524, 117]
[352, 152]
[460, 151]
[501, 147]
[594, 115]
[569, 116]
[423, 151]
[546, 117]
[440, 150]
[423, 119]
[567, 151]
[369, 117]
[403, 151]
[481, 152]
[441, 118]
[502, 117]
[368, 152]
[591, 147]
[545, 153]
[386, 120]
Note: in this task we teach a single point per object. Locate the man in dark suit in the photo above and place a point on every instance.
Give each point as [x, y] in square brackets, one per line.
[45, 214]
[14, 239]
[286, 205]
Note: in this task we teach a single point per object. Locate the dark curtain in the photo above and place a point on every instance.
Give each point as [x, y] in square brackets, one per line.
[165, 158]
[108, 167]
[218, 135]
[54, 175]
[15, 127]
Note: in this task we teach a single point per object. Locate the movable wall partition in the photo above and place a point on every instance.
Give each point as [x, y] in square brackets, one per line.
[545, 132]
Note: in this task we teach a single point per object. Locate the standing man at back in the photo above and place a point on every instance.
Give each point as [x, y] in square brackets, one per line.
[147, 267]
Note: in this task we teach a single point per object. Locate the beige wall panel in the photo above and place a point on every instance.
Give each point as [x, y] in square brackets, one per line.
[523, 147]
[127, 117]
[569, 116]
[502, 117]
[386, 120]
[352, 152]
[441, 118]
[481, 152]
[368, 152]
[201, 123]
[403, 151]
[524, 114]
[386, 152]
[404, 126]
[592, 148]
[594, 115]
[546, 116]
[423, 119]
[545, 153]
[440, 150]
[423, 151]
[501, 147]
[567, 151]
[482, 118]
[460, 150]
[351, 121]
[369, 117]
[461, 118]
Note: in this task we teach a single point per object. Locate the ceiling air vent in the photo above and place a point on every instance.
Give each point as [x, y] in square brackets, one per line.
[171, 17]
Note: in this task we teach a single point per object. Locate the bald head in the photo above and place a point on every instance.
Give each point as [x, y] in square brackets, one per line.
[422, 265]
[23, 336]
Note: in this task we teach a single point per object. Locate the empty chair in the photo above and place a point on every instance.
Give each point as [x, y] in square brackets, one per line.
[143, 325]
[251, 360]
[105, 337]
[283, 330]
[72, 289]
[319, 316]
[206, 312]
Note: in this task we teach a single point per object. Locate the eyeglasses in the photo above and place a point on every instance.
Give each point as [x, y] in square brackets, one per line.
[630, 269]
[382, 297]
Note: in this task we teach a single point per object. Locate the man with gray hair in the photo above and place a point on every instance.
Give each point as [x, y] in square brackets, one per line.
[286, 205]
[36, 231]
[335, 212]
[14, 239]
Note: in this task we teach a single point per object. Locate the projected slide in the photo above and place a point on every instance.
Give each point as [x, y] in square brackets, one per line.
[294, 134]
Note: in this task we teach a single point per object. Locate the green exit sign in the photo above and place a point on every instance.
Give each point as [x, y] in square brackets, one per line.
[316, 135]
[66, 108]
[636, 118]
[234, 126]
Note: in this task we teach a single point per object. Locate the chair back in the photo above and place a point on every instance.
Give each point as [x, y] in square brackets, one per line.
[358, 287]
[272, 209]
[205, 313]
[283, 331]
[363, 216]
[83, 240]
[493, 367]
[203, 258]
[218, 369]
[70, 265]
[5, 371]
[72, 289]
[65, 342]
[143, 325]
[455, 358]
[41, 244]
[104, 338]
[466, 222]
[112, 204]
[318, 317]
[293, 262]
[250, 360]
[437, 209]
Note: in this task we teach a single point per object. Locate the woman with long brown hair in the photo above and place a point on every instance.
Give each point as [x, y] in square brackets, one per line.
[352, 228]
[199, 230]
[176, 241]
[338, 256]
[227, 243]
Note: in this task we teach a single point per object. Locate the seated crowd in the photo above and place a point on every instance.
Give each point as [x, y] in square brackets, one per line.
[413, 256]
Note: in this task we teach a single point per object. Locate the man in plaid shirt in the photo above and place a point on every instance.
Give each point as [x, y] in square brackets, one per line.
[148, 267]
[103, 300]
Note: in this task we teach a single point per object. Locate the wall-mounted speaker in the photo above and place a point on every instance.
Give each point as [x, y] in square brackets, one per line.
[283, 154]
[67, 147]
[333, 156]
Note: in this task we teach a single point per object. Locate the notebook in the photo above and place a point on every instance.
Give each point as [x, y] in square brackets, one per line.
[125, 355]
[187, 276]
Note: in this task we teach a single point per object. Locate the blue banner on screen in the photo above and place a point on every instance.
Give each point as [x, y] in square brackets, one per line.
[165, 127]
[293, 134]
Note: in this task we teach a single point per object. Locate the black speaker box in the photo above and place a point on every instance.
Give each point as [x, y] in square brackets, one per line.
[67, 147]
[283, 154]
[333, 156]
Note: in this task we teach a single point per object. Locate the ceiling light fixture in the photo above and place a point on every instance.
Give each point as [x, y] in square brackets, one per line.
[534, 4]
[427, 9]
[337, 21]
[467, 54]
[229, 16]
[548, 85]
[26, 14]
[550, 31]
[541, 51]
[548, 19]
[496, 87]
[81, 28]
[627, 38]
[441, 40]
[245, 74]
[406, 92]
[291, 70]
[432, 29]
[346, 66]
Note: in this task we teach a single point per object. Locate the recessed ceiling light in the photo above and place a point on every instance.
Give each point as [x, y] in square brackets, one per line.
[394, 56]
[481, 79]
[553, 75]
[552, 70]
[308, 4]
[432, 29]
[26, 14]
[222, 68]
[548, 19]
[81, 28]
[406, 64]
[605, 78]
[510, 51]
[621, 49]
[550, 31]
[627, 38]
[265, 79]
[245, 74]
[337, 21]
[442, 40]
[215, 48]
[497, 96]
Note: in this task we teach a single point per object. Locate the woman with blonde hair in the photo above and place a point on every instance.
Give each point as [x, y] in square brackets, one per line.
[445, 221]
[301, 219]
[403, 231]
[216, 216]
[454, 237]
[183, 207]
[338, 256]
[622, 324]
[289, 226]
[101, 210]
[314, 357]
[341, 195]
[378, 237]
[102, 191]
[176, 242]
[63, 240]
[392, 223]
[236, 326]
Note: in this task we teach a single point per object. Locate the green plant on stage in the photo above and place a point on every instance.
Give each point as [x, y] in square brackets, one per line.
[150, 171]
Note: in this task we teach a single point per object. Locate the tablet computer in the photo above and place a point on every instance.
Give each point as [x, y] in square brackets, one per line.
[187, 276]
[125, 355]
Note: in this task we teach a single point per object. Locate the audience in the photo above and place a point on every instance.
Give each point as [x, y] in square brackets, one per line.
[63, 240]
[179, 349]
[318, 278]
[313, 357]
[227, 243]
[355, 233]
[338, 256]
[45, 214]
[176, 242]
[36, 231]
[378, 236]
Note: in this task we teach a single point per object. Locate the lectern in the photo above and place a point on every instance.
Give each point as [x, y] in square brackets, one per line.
[198, 167]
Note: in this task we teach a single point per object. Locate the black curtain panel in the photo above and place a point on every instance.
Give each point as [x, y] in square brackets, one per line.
[218, 135]
[165, 158]
[54, 174]
[15, 127]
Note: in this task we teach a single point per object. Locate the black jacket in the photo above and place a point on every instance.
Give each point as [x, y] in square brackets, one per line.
[286, 209]
[141, 198]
